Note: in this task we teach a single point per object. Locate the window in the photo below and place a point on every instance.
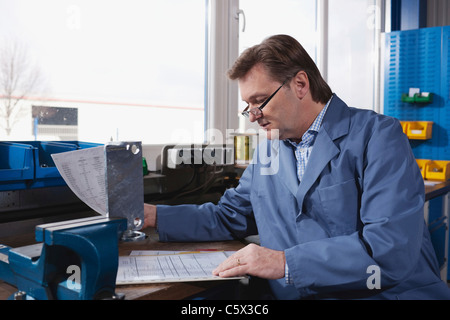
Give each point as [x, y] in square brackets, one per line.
[53, 122]
[353, 30]
[264, 18]
[137, 70]
[351, 44]
[134, 70]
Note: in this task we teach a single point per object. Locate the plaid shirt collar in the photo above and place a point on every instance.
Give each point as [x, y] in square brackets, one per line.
[310, 134]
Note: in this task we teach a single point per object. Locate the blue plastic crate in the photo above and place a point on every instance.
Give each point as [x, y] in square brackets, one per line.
[28, 164]
[44, 165]
[84, 145]
[16, 161]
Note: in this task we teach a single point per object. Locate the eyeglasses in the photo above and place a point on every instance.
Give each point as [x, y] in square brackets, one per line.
[257, 112]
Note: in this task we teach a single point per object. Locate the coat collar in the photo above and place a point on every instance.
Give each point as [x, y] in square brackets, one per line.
[335, 125]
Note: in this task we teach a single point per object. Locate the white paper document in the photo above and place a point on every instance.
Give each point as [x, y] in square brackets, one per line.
[169, 266]
[84, 172]
[431, 183]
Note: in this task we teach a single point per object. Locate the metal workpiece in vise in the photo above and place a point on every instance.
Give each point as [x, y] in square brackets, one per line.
[78, 259]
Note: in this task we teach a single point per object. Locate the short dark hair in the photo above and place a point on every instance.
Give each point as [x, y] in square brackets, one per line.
[283, 57]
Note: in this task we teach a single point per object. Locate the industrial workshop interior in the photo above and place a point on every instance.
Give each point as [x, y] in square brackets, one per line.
[245, 152]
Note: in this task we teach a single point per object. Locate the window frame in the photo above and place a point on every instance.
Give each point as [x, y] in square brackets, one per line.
[221, 95]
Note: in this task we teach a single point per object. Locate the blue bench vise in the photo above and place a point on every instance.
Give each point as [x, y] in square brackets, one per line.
[78, 259]
[75, 260]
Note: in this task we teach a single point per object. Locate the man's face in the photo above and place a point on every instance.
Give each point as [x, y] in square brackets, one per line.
[280, 117]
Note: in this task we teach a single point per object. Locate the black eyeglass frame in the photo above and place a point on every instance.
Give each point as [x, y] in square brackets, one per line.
[246, 112]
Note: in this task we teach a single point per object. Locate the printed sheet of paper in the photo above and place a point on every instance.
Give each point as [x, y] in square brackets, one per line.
[169, 266]
[84, 171]
[431, 183]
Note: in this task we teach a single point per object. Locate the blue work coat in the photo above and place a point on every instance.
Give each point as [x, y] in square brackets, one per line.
[353, 228]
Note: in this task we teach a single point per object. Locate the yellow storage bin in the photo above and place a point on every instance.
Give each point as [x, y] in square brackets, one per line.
[437, 170]
[423, 164]
[404, 126]
[419, 130]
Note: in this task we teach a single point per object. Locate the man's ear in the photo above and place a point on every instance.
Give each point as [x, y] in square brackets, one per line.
[301, 84]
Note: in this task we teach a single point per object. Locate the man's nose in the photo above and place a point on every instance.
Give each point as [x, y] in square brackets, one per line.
[253, 117]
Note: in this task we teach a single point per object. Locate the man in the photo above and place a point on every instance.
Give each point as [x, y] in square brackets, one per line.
[339, 206]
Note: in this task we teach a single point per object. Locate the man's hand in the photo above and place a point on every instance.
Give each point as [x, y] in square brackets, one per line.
[149, 215]
[253, 260]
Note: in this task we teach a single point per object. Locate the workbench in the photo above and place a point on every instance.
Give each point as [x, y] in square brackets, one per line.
[160, 291]
[186, 290]
[437, 214]
[437, 190]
